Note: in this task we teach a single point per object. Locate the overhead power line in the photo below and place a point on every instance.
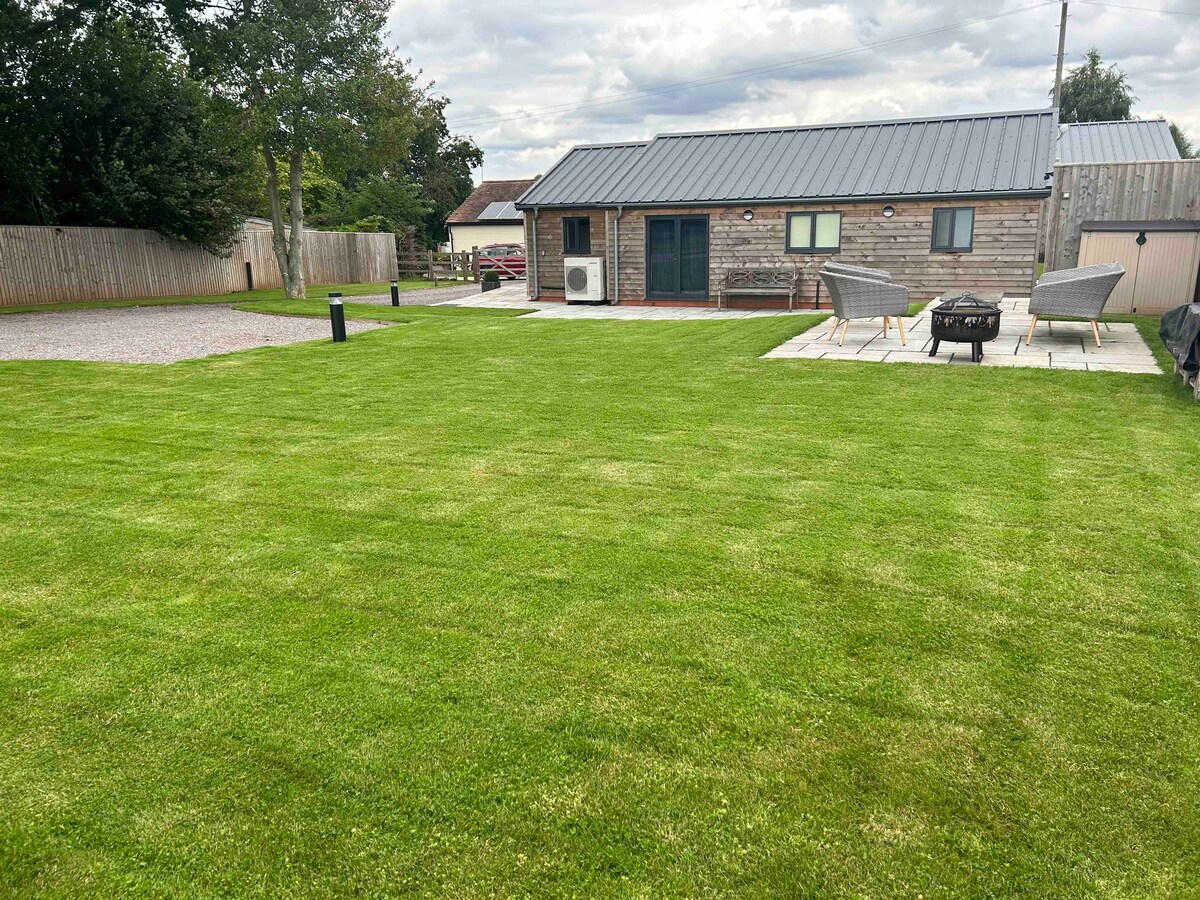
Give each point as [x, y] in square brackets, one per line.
[1153, 9]
[674, 87]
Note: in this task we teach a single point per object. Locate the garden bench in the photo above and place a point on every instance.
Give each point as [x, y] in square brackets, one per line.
[760, 282]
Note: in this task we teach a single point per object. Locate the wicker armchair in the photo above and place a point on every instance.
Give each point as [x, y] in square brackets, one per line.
[1079, 293]
[855, 297]
[857, 271]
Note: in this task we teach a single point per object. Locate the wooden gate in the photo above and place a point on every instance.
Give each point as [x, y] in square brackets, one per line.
[438, 267]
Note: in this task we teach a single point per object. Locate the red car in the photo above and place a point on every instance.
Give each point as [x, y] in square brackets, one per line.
[507, 259]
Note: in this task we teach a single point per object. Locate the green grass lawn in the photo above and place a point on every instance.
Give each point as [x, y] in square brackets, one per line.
[488, 606]
[317, 292]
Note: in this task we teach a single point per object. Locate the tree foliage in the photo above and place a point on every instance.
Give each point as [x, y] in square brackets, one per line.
[309, 76]
[98, 126]
[183, 116]
[1182, 142]
[1093, 92]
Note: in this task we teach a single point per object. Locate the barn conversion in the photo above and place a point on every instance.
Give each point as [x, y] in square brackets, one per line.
[943, 203]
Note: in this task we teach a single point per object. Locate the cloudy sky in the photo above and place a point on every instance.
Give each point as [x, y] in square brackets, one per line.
[528, 79]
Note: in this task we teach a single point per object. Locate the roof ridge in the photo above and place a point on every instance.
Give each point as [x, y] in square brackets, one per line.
[1113, 122]
[1002, 114]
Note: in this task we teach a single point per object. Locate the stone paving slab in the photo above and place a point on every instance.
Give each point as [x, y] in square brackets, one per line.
[1056, 345]
[514, 297]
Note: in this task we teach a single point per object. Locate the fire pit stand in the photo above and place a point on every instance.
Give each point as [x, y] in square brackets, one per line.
[965, 320]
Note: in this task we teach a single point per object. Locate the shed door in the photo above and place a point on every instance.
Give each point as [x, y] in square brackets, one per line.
[1160, 274]
[1166, 274]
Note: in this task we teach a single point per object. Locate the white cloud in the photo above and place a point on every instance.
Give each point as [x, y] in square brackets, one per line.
[501, 59]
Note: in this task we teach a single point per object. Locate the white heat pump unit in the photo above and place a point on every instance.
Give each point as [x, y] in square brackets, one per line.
[585, 280]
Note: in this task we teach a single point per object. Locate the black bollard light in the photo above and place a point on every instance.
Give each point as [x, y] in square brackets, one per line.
[395, 293]
[337, 317]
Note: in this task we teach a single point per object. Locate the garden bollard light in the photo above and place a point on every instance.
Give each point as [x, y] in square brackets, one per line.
[337, 317]
[395, 293]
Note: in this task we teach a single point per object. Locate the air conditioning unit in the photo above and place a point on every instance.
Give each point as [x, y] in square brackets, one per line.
[585, 280]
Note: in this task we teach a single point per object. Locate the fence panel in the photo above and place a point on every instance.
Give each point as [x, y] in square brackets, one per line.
[50, 264]
[1108, 192]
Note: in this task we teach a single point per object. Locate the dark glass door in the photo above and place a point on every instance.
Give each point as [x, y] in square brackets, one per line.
[677, 257]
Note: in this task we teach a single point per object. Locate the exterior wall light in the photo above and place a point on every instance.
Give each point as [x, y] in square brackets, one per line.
[889, 211]
[748, 215]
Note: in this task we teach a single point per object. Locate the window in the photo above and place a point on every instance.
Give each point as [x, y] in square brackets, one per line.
[577, 235]
[816, 232]
[953, 230]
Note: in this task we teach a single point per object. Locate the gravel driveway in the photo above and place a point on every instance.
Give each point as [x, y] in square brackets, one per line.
[154, 334]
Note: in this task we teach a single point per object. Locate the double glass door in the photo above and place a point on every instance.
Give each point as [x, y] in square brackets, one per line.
[677, 257]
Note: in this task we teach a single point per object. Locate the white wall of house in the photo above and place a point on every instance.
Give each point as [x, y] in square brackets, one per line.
[464, 237]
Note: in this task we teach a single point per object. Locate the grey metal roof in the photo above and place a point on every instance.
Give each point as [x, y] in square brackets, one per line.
[500, 210]
[994, 154]
[1135, 140]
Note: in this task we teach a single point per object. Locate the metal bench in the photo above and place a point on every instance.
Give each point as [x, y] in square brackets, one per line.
[760, 282]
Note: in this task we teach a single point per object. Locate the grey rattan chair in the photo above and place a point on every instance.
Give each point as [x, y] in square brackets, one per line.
[855, 297]
[857, 271]
[1079, 293]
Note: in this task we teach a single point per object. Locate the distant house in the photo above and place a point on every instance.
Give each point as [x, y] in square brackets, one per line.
[945, 204]
[1132, 140]
[488, 216]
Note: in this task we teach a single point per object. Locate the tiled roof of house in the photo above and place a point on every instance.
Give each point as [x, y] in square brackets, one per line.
[1134, 140]
[490, 192]
[990, 154]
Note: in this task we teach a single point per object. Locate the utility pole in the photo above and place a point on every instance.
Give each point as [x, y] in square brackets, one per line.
[1062, 46]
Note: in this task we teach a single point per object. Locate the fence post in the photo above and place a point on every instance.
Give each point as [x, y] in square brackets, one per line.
[475, 264]
[432, 273]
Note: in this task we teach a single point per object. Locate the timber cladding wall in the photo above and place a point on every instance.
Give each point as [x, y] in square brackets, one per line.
[1002, 259]
[550, 256]
[1108, 192]
[51, 265]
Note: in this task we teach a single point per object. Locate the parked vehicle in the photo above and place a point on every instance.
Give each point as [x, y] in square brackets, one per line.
[506, 260]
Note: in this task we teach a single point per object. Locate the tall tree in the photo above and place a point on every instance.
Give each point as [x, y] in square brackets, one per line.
[1093, 92]
[1182, 143]
[98, 126]
[441, 163]
[309, 76]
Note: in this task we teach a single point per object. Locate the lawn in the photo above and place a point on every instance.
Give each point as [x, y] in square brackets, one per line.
[320, 292]
[480, 605]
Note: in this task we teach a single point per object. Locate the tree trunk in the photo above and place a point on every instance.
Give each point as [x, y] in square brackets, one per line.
[295, 280]
[289, 249]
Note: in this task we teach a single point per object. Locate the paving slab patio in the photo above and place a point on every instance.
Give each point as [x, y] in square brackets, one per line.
[1056, 345]
[514, 297]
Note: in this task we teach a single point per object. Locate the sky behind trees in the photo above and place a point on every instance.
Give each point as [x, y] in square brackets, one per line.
[528, 54]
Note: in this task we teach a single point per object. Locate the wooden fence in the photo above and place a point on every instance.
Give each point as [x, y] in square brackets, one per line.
[1107, 192]
[51, 264]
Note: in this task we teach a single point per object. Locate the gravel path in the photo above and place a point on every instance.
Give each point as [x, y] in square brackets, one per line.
[154, 334]
[423, 296]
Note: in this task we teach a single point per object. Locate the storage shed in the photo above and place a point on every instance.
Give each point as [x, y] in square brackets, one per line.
[1161, 260]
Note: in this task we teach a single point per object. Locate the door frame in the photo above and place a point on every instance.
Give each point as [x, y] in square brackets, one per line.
[679, 294]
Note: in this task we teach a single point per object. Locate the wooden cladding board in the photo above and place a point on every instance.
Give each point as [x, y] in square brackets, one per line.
[52, 265]
[1111, 192]
[1001, 262]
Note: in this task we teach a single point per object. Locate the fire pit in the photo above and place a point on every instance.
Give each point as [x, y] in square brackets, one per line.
[965, 320]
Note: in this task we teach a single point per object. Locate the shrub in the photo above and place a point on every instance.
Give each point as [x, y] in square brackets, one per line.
[491, 275]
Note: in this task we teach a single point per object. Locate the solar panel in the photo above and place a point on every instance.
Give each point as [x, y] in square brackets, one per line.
[500, 210]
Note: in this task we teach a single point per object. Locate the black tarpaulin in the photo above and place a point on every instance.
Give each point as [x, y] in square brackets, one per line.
[1180, 332]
